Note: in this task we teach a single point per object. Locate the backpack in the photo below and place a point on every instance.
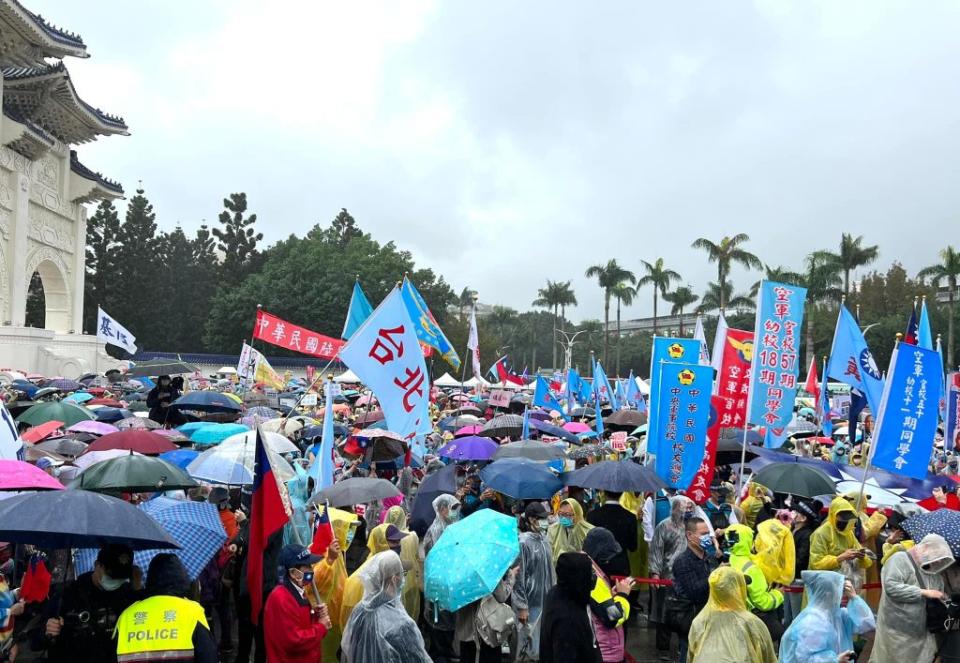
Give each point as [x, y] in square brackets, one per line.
[494, 621]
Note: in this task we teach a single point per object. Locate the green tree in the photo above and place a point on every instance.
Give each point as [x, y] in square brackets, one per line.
[948, 269]
[624, 293]
[822, 281]
[608, 276]
[722, 299]
[726, 252]
[567, 298]
[551, 297]
[778, 274]
[344, 228]
[139, 274]
[681, 298]
[236, 239]
[465, 300]
[103, 229]
[852, 254]
[660, 278]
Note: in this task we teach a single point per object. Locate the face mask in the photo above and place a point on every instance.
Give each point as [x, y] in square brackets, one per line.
[687, 515]
[566, 521]
[453, 516]
[301, 577]
[542, 525]
[350, 535]
[844, 525]
[109, 584]
[706, 543]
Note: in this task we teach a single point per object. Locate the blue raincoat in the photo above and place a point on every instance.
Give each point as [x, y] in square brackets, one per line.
[823, 630]
[300, 521]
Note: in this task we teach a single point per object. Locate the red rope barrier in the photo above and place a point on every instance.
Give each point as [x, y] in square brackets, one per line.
[659, 582]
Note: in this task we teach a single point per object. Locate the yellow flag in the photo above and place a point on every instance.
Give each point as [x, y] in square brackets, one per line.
[265, 374]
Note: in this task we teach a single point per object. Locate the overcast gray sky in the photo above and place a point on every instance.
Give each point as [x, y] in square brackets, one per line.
[506, 143]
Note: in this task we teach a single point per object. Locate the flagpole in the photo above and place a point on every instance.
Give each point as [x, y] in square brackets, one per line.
[866, 468]
[463, 371]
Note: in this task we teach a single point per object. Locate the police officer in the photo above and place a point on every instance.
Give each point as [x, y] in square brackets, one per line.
[166, 626]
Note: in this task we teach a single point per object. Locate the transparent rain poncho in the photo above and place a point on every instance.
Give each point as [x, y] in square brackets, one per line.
[824, 630]
[537, 576]
[410, 553]
[380, 630]
[439, 524]
[725, 631]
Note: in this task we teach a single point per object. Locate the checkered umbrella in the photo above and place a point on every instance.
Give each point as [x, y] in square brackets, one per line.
[194, 525]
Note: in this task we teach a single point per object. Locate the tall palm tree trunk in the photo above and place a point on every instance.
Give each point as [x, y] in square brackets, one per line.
[606, 326]
[720, 280]
[654, 310]
[950, 365]
[554, 364]
[846, 283]
[681, 321]
[809, 335]
[618, 337]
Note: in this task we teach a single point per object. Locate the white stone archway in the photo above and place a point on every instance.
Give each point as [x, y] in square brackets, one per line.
[53, 270]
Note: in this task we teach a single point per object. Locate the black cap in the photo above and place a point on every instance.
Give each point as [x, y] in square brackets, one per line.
[535, 510]
[393, 534]
[218, 495]
[807, 509]
[294, 555]
[117, 560]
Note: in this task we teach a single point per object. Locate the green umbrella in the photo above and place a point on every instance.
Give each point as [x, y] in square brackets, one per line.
[133, 473]
[795, 479]
[68, 413]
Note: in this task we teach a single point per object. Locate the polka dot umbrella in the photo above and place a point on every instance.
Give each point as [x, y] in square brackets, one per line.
[944, 522]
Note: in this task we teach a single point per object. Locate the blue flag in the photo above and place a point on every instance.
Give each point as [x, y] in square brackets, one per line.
[525, 433]
[826, 423]
[573, 388]
[322, 468]
[632, 394]
[666, 350]
[542, 396]
[598, 422]
[685, 391]
[908, 418]
[601, 386]
[924, 335]
[620, 394]
[773, 440]
[358, 312]
[852, 363]
[425, 325]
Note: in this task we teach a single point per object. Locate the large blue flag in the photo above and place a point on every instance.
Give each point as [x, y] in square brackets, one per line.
[826, 423]
[619, 394]
[666, 350]
[684, 412]
[573, 388]
[598, 422]
[776, 356]
[908, 418]
[358, 312]
[601, 386]
[852, 363]
[632, 394]
[542, 396]
[322, 468]
[525, 432]
[425, 326]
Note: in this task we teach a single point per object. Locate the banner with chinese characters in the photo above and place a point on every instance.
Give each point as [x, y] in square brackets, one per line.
[283, 334]
[952, 418]
[733, 380]
[684, 411]
[909, 415]
[776, 355]
[667, 350]
[385, 355]
[699, 490]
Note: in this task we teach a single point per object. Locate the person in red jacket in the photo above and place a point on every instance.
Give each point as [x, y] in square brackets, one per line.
[292, 631]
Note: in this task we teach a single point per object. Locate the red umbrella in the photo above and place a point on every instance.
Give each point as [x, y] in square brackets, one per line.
[42, 431]
[96, 391]
[142, 441]
[108, 402]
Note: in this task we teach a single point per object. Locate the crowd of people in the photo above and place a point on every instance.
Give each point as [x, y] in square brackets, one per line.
[602, 575]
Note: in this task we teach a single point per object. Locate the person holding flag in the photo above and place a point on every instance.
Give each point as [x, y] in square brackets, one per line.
[333, 534]
[293, 628]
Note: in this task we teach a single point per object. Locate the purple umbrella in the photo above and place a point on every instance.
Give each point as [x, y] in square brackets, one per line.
[64, 384]
[94, 427]
[472, 447]
[539, 415]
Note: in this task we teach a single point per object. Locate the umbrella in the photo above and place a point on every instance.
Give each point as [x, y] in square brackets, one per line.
[505, 425]
[576, 427]
[210, 434]
[106, 402]
[233, 465]
[944, 522]
[91, 458]
[40, 432]
[473, 447]
[468, 430]
[135, 474]
[357, 490]
[453, 423]
[172, 435]
[195, 526]
[387, 445]
[141, 441]
[137, 423]
[93, 427]
[366, 399]
[470, 558]
[441, 482]
[729, 451]
[207, 401]
[114, 415]
[275, 441]
[181, 457]
[160, 367]
[795, 479]
[65, 446]
[753, 436]
[583, 413]
[283, 425]
[529, 449]
[521, 479]
[262, 412]
[546, 428]
[68, 413]
[368, 418]
[79, 397]
[18, 475]
[586, 451]
[138, 406]
[310, 432]
[618, 476]
[64, 384]
[78, 519]
[539, 415]
[626, 419]
[468, 410]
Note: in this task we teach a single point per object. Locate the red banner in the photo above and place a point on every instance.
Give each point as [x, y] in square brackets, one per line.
[283, 334]
[699, 490]
[733, 380]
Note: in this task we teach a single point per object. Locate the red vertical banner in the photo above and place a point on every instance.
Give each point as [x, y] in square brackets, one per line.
[699, 490]
[734, 378]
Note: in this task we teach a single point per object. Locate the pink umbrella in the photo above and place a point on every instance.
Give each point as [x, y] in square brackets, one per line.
[94, 457]
[576, 427]
[468, 430]
[93, 427]
[460, 397]
[366, 399]
[18, 475]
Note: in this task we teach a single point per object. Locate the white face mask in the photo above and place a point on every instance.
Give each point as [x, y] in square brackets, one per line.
[109, 584]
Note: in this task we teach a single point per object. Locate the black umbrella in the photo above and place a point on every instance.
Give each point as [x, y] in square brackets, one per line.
[795, 479]
[626, 419]
[583, 412]
[529, 449]
[65, 446]
[729, 451]
[546, 428]
[160, 367]
[358, 490]
[441, 482]
[506, 425]
[616, 475]
[78, 519]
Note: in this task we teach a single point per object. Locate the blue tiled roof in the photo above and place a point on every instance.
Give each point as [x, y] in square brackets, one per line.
[52, 31]
[14, 115]
[230, 360]
[85, 172]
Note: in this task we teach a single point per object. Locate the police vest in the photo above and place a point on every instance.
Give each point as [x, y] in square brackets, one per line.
[159, 628]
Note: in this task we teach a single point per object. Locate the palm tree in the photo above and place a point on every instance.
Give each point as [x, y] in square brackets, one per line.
[465, 300]
[504, 319]
[660, 278]
[681, 298]
[823, 283]
[948, 270]
[852, 254]
[725, 253]
[608, 277]
[779, 274]
[624, 293]
[722, 299]
[567, 297]
[549, 298]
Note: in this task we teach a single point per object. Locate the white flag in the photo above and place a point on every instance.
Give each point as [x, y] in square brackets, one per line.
[473, 344]
[11, 446]
[112, 332]
[700, 335]
[249, 358]
[719, 340]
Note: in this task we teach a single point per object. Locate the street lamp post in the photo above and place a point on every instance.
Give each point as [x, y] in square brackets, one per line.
[567, 343]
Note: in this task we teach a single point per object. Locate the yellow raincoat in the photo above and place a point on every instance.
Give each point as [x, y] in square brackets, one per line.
[776, 554]
[409, 552]
[827, 542]
[568, 540]
[754, 502]
[871, 527]
[725, 631]
[638, 558]
[353, 588]
[329, 579]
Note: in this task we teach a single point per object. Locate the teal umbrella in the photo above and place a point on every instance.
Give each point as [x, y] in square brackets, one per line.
[216, 433]
[68, 413]
[470, 559]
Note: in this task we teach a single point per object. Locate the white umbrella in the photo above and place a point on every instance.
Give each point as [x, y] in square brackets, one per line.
[275, 441]
[234, 465]
[93, 457]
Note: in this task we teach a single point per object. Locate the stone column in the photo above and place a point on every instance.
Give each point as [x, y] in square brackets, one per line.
[19, 279]
[79, 268]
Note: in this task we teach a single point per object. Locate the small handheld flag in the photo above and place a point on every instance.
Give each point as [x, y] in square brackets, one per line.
[322, 532]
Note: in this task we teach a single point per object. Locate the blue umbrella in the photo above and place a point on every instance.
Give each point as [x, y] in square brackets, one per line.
[521, 479]
[111, 415]
[615, 475]
[79, 397]
[207, 401]
[195, 526]
[181, 457]
[944, 522]
[470, 559]
[216, 433]
[191, 426]
[311, 432]
[471, 447]
[547, 428]
[263, 412]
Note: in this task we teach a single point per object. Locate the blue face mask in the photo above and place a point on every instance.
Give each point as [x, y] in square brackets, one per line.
[566, 522]
[706, 542]
[687, 515]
